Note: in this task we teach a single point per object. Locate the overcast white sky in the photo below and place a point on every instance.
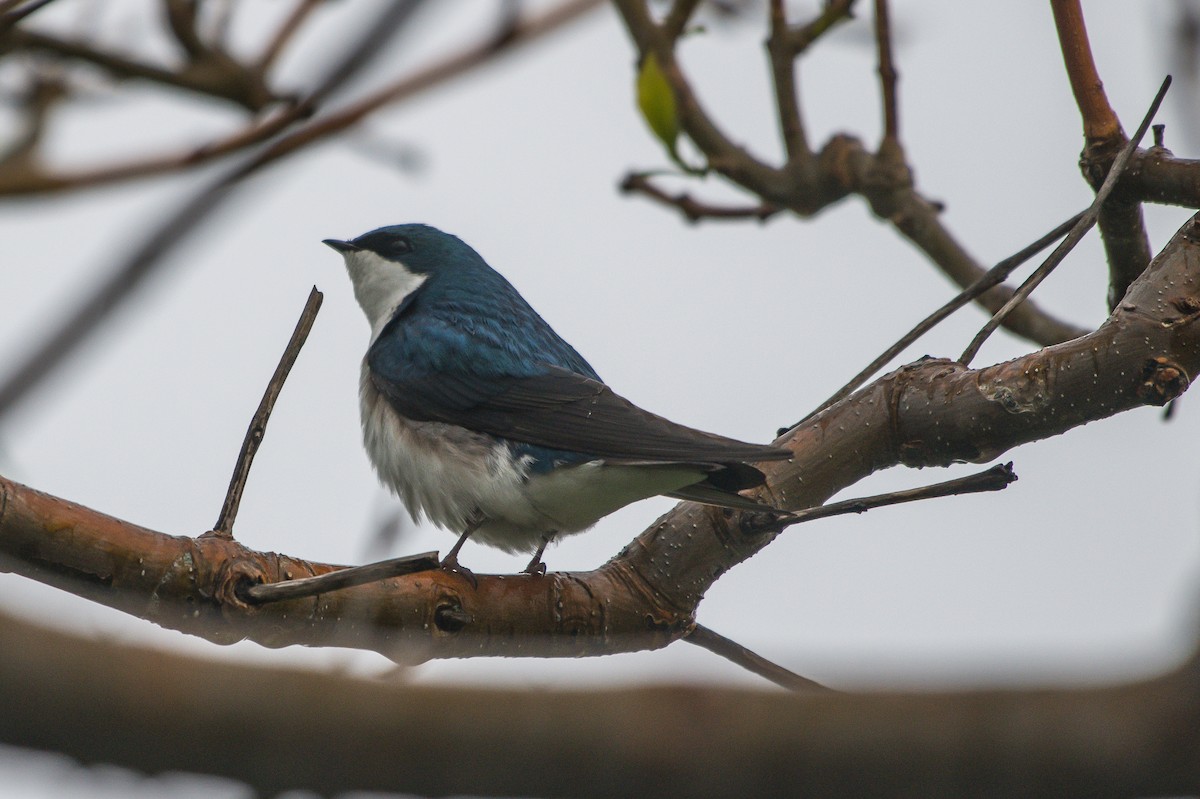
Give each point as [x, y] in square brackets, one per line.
[1086, 569]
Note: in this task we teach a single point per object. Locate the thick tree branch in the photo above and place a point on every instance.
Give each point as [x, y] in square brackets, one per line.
[277, 729]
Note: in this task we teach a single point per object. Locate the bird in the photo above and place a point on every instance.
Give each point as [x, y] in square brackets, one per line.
[480, 417]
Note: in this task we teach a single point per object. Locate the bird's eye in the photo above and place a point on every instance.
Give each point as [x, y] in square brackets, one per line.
[400, 246]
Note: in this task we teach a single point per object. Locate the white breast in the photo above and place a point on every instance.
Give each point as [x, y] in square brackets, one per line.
[455, 476]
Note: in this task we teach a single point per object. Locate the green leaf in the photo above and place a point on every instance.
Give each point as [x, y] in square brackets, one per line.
[657, 103]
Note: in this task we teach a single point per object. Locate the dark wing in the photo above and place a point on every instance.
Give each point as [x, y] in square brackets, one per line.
[554, 407]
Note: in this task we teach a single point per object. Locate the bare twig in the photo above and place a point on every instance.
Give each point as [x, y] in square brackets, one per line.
[285, 32]
[262, 593]
[10, 15]
[678, 17]
[997, 478]
[993, 277]
[694, 210]
[258, 424]
[223, 77]
[751, 661]
[783, 76]
[1077, 232]
[832, 13]
[887, 71]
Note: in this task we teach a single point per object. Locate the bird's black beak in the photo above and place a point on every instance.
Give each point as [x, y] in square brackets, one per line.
[341, 246]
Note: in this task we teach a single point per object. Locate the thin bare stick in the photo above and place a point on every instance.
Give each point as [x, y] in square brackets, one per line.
[993, 277]
[677, 19]
[10, 15]
[693, 209]
[997, 478]
[286, 31]
[783, 77]
[1077, 232]
[718, 644]
[258, 424]
[887, 71]
[262, 593]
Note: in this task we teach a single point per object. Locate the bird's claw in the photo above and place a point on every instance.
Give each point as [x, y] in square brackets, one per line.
[535, 568]
[450, 564]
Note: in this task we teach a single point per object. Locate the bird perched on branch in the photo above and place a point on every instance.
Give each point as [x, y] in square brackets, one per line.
[479, 416]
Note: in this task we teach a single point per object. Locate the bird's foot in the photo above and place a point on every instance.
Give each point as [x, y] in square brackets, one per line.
[535, 568]
[450, 564]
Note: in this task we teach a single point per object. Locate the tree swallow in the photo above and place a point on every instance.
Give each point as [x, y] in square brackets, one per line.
[480, 417]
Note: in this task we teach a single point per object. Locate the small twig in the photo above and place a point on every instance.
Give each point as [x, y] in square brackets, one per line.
[718, 644]
[1099, 119]
[10, 15]
[258, 424]
[1077, 232]
[693, 209]
[677, 18]
[834, 12]
[996, 478]
[262, 593]
[887, 71]
[286, 31]
[993, 277]
[783, 76]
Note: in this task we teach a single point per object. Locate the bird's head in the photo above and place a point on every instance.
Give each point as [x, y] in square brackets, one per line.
[388, 264]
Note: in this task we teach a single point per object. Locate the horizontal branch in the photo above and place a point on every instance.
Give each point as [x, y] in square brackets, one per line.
[276, 729]
[933, 412]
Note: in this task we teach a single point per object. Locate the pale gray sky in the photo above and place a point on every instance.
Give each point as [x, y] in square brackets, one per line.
[1084, 569]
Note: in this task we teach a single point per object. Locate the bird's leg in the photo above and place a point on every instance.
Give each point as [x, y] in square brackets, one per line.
[450, 562]
[536, 567]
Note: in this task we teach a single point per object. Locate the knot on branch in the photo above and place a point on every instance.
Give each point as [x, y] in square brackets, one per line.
[1162, 381]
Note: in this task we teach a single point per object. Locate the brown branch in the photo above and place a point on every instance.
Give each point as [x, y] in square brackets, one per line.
[997, 478]
[276, 729]
[783, 76]
[1157, 176]
[833, 13]
[678, 18]
[1122, 227]
[1100, 123]
[258, 424]
[214, 76]
[692, 209]
[284, 33]
[887, 71]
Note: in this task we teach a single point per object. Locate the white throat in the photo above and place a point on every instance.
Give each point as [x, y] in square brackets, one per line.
[380, 286]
